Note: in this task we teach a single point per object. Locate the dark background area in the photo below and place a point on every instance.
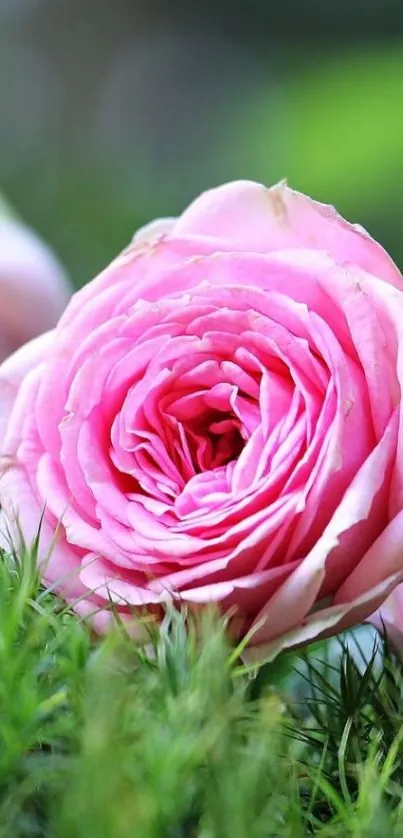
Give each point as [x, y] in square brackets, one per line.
[113, 112]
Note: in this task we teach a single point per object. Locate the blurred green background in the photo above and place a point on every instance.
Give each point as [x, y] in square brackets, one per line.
[113, 112]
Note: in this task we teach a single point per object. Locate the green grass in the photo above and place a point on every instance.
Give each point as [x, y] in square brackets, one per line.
[100, 739]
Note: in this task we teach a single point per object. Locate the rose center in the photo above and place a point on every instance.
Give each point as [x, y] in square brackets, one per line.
[214, 441]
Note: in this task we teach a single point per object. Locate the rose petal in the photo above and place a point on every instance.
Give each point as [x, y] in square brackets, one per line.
[262, 219]
[153, 231]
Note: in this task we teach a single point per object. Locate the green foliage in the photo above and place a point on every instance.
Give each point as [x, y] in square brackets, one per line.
[329, 120]
[102, 739]
[347, 126]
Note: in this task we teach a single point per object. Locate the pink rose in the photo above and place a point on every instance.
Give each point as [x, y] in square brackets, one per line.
[217, 418]
[33, 288]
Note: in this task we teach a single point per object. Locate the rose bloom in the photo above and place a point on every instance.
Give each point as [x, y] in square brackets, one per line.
[216, 419]
[33, 286]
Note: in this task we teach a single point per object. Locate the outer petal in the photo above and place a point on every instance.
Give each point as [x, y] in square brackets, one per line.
[14, 370]
[384, 558]
[253, 217]
[241, 216]
[22, 513]
[389, 617]
[324, 622]
[153, 231]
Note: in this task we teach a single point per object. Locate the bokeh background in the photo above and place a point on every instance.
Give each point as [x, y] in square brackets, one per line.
[113, 112]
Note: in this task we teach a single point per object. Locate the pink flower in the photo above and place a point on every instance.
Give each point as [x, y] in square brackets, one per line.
[33, 288]
[216, 418]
